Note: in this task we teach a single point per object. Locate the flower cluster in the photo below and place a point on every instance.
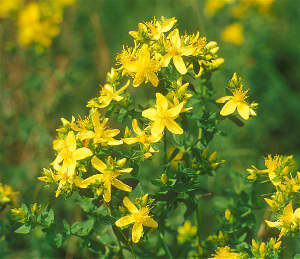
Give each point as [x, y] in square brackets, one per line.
[187, 232]
[280, 170]
[95, 156]
[265, 249]
[37, 21]
[99, 155]
[7, 196]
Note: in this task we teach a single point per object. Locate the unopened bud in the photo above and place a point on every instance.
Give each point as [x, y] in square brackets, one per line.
[211, 45]
[164, 178]
[227, 214]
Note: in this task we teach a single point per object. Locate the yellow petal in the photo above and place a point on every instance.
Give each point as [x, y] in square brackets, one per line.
[124, 221]
[154, 139]
[187, 51]
[144, 53]
[151, 223]
[57, 161]
[108, 89]
[273, 224]
[297, 214]
[168, 24]
[228, 108]
[243, 110]
[270, 202]
[288, 210]
[137, 232]
[92, 180]
[58, 144]
[82, 153]
[95, 120]
[147, 155]
[71, 141]
[98, 164]
[152, 77]
[165, 60]
[136, 127]
[173, 127]
[150, 114]
[179, 64]
[175, 38]
[112, 132]
[223, 99]
[79, 182]
[69, 166]
[157, 128]
[129, 205]
[88, 134]
[115, 142]
[161, 102]
[126, 170]
[121, 186]
[130, 141]
[107, 191]
[138, 79]
[173, 112]
[121, 162]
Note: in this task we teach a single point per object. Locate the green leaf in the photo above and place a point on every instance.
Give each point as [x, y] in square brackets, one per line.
[82, 228]
[24, 229]
[66, 227]
[87, 204]
[46, 218]
[297, 256]
[58, 239]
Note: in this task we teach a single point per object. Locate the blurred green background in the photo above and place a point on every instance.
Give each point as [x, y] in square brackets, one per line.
[37, 89]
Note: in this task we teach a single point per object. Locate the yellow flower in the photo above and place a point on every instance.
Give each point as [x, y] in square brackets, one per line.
[141, 34]
[277, 167]
[157, 28]
[237, 101]
[107, 95]
[8, 6]
[142, 137]
[7, 195]
[68, 154]
[233, 33]
[109, 173]
[19, 214]
[175, 51]
[163, 116]
[34, 27]
[68, 125]
[143, 68]
[186, 232]
[65, 181]
[288, 221]
[212, 6]
[101, 134]
[225, 253]
[139, 217]
[291, 185]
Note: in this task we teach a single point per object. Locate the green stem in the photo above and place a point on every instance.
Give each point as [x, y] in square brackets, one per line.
[165, 246]
[165, 148]
[197, 215]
